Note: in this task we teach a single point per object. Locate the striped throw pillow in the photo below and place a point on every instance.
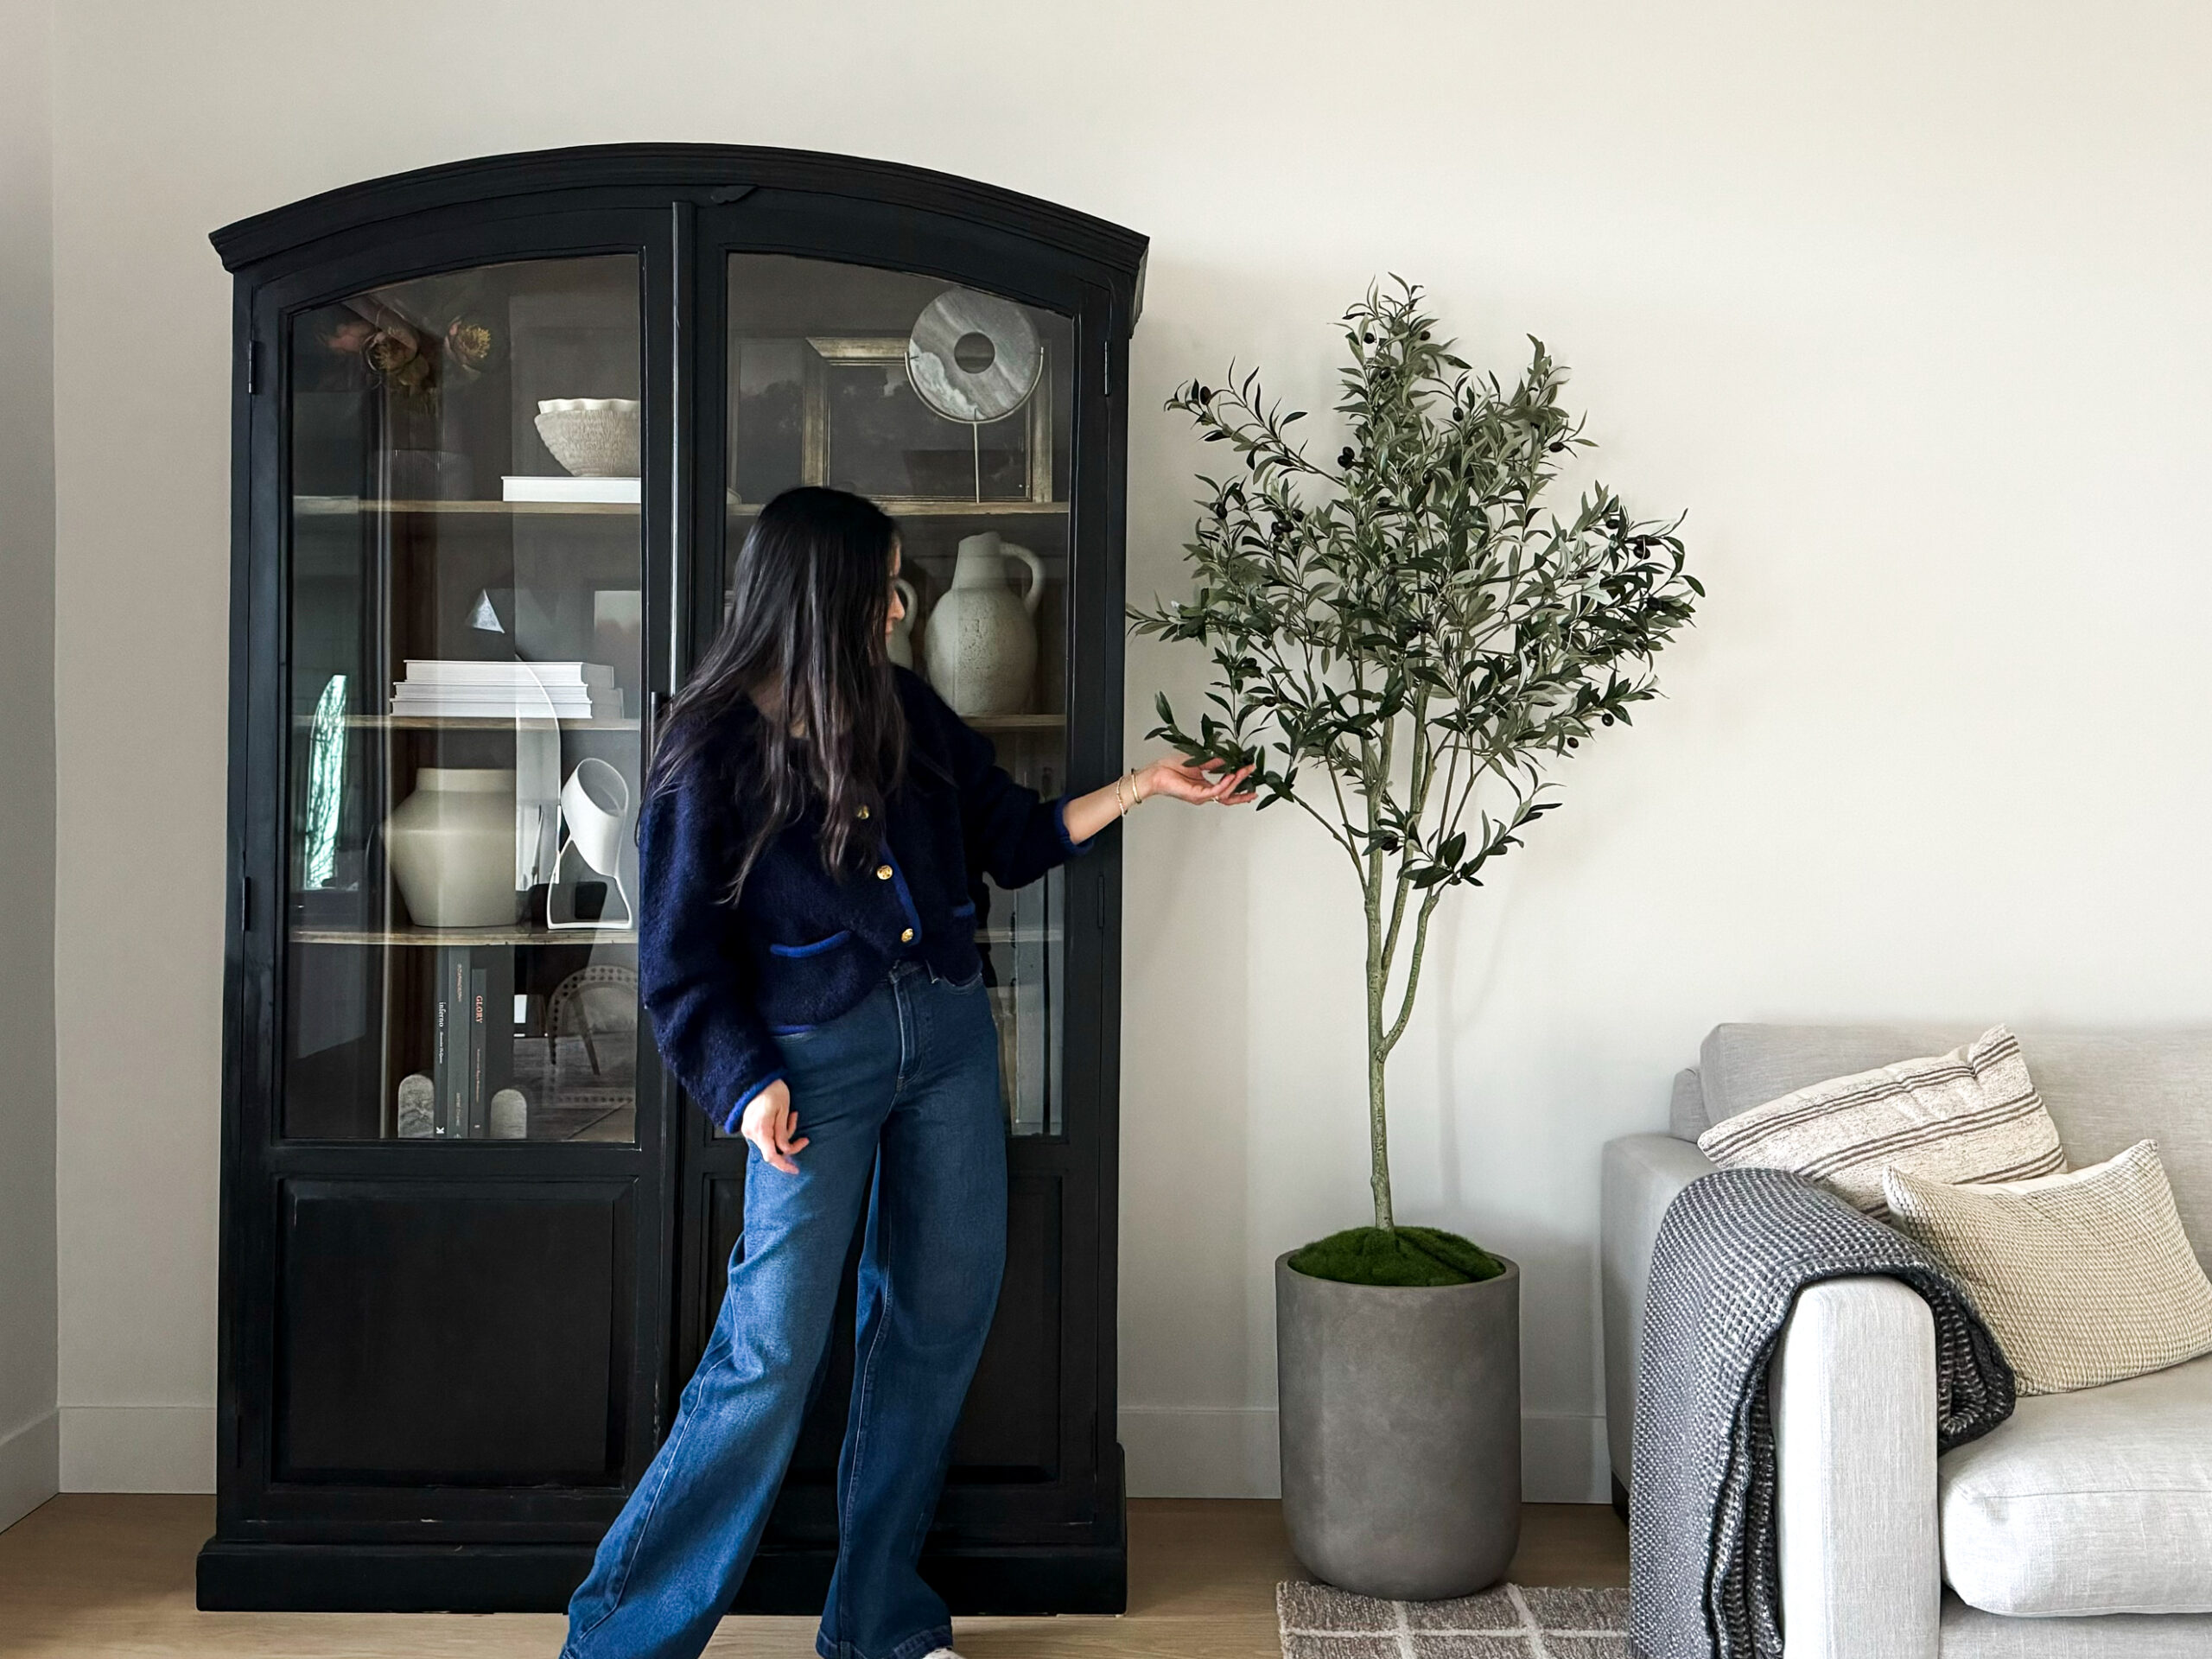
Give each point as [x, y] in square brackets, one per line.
[1972, 1115]
[2083, 1278]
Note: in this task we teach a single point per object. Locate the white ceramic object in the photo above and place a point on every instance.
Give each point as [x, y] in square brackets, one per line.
[901, 646]
[593, 437]
[451, 845]
[595, 806]
[981, 643]
[510, 1116]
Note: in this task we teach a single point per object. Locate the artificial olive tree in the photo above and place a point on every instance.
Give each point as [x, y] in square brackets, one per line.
[1404, 641]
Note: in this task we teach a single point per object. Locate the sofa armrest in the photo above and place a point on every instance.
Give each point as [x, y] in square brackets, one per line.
[1640, 1176]
[1853, 1396]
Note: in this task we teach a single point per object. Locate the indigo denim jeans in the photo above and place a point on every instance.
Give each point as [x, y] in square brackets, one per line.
[899, 1101]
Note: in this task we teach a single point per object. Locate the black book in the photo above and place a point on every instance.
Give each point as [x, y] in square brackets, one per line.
[441, 1037]
[479, 1097]
[453, 1079]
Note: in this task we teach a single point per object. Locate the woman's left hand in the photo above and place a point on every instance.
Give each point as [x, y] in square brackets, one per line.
[1189, 780]
[1202, 783]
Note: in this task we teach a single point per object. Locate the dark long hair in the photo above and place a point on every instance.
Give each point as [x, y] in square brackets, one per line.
[804, 642]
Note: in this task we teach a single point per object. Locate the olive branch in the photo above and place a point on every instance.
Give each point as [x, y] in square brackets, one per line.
[1403, 641]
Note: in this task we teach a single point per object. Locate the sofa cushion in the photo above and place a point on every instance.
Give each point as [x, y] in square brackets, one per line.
[1971, 1115]
[2095, 1502]
[2083, 1278]
[2104, 1090]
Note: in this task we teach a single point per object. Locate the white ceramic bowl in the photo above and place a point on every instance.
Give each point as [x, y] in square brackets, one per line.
[593, 437]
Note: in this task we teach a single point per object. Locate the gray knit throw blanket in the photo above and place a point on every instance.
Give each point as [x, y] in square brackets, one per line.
[1734, 1250]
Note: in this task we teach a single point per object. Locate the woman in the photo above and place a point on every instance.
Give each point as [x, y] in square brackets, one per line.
[816, 827]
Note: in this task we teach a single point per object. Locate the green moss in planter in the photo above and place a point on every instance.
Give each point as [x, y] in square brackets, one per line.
[1398, 1256]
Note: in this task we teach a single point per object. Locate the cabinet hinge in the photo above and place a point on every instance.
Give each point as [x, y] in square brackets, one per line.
[1106, 367]
[246, 904]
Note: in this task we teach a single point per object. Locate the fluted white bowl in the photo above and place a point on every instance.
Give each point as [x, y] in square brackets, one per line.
[593, 437]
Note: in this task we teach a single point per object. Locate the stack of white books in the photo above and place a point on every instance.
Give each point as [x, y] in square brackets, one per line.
[626, 491]
[508, 690]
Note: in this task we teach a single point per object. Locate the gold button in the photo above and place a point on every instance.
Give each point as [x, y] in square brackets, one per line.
[863, 812]
[907, 937]
[883, 872]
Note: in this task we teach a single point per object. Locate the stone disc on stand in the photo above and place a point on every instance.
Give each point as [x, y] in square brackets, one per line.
[973, 357]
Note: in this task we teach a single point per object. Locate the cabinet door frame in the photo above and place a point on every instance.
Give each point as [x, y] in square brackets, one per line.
[1081, 1504]
[258, 1160]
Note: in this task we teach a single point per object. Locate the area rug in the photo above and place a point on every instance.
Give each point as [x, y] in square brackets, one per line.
[1512, 1621]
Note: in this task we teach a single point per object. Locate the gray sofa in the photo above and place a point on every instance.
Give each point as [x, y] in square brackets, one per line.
[2082, 1525]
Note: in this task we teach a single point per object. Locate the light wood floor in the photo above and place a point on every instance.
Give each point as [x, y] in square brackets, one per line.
[88, 1576]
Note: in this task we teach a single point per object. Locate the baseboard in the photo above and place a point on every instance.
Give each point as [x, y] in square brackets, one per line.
[137, 1448]
[1230, 1451]
[30, 1466]
[1563, 1458]
[1201, 1450]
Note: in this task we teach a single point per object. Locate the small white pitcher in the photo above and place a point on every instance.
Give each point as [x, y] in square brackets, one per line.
[982, 642]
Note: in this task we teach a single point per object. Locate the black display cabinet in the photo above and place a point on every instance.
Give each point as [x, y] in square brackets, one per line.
[497, 429]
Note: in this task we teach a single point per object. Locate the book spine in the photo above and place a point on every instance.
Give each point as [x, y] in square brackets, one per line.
[480, 1104]
[442, 1049]
[453, 1089]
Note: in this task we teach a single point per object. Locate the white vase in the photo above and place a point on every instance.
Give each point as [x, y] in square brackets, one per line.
[452, 847]
[982, 641]
[901, 645]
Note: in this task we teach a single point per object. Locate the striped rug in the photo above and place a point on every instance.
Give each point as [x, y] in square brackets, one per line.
[1511, 1621]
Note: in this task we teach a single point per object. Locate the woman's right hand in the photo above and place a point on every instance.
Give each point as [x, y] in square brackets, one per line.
[772, 1127]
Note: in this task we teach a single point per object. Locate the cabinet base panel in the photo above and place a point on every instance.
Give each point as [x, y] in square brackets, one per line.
[539, 1579]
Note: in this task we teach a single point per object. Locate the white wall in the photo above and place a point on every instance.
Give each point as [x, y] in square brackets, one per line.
[28, 1456]
[1906, 304]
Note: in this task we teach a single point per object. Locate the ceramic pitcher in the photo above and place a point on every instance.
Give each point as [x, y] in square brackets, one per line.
[982, 641]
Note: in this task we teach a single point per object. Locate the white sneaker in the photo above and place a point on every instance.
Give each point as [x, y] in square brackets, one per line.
[942, 1653]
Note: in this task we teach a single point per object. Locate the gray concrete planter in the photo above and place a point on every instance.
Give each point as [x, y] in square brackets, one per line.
[1400, 1429]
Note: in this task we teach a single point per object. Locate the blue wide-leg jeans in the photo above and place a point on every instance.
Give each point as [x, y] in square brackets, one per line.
[899, 1101]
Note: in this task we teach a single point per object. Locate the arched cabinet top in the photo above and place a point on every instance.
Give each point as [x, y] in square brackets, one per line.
[707, 175]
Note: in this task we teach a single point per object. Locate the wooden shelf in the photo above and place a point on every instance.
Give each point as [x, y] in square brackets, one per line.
[500, 723]
[900, 506]
[339, 506]
[520, 933]
[473, 723]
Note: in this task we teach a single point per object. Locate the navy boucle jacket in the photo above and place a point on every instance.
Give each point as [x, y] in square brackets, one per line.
[801, 947]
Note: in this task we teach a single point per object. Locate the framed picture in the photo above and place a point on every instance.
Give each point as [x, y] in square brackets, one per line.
[863, 428]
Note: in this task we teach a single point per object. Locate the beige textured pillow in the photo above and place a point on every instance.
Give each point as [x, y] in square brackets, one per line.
[1972, 1115]
[2083, 1278]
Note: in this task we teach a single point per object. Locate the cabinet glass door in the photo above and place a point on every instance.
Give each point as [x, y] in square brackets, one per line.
[464, 696]
[951, 409]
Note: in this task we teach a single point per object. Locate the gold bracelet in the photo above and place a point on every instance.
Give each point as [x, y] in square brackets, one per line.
[1125, 803]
